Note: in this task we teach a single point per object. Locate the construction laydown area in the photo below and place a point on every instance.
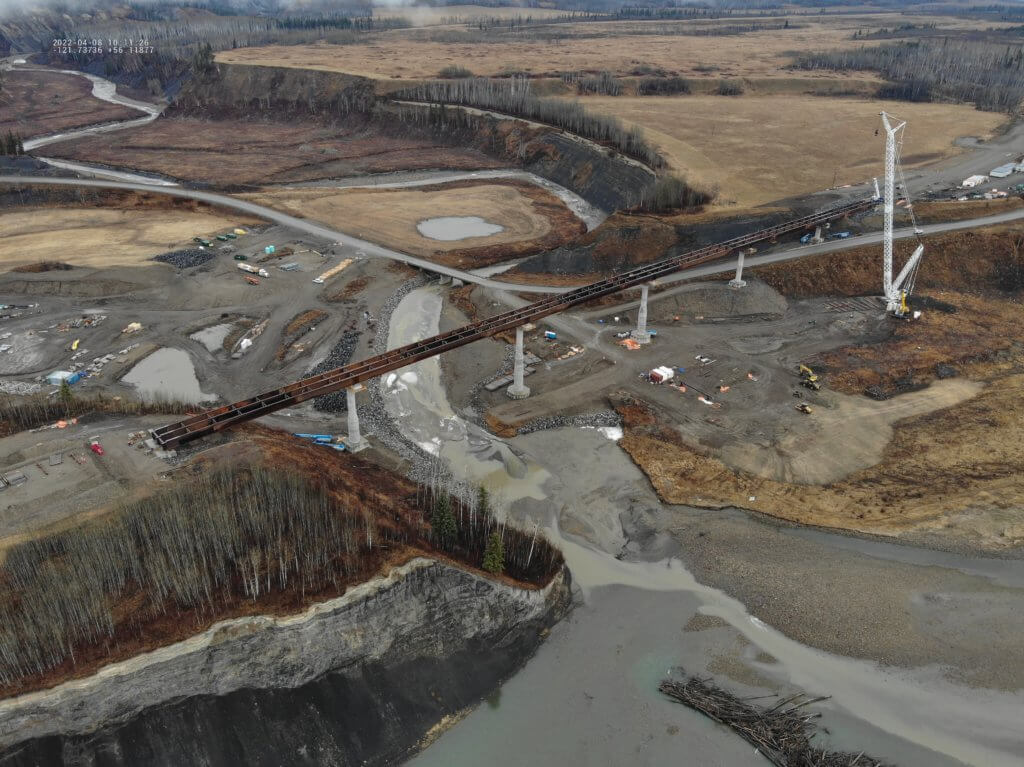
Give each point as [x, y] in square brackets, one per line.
[713, 409]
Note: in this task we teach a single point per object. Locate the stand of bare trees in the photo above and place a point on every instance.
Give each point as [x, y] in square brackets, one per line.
[671, 193]
[202, 547]
[20, 413]
[528, 555]
[513, 96]
[989, 75]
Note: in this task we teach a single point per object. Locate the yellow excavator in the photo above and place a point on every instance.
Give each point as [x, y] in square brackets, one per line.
[806, 373]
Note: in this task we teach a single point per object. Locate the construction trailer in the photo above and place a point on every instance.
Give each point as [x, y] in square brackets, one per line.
[661, 374]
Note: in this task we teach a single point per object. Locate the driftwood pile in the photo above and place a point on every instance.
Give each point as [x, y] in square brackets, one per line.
[781, 733]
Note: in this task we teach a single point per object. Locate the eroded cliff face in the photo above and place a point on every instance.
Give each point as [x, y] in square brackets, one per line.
[357, 680]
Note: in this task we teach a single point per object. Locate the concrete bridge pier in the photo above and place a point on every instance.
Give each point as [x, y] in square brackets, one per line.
[737, 281]
[640, 335]
[355, 442]
[517, 389]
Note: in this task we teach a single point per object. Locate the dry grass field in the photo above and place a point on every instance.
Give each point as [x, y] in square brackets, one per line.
[98, 238]
[241, 152]
[618, 47]
[389, 216]
[37, 103]
[761, 148]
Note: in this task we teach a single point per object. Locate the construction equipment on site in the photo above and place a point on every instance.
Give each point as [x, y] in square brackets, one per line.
[803, 407]
[253, 269]
[806, 372]
[812, 384]
[895, 291]
[252, 280]
[224, 416]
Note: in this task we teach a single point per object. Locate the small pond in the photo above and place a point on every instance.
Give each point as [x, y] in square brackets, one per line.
[212, 337]
[457, 227]
[167, 374]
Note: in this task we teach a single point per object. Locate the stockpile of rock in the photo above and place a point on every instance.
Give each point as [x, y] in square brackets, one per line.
[592, 420]
[185, 259]
[336, 358]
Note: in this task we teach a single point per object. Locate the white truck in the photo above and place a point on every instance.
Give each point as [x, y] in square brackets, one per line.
[253, 269]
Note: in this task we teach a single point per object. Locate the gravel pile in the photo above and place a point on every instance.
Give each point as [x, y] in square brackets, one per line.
[602, 418]
[185, 259]
[339, 356]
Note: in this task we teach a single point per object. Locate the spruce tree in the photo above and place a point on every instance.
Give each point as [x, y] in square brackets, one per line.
[483, 501]
[66, 395]
[494, 555]
[443, 522]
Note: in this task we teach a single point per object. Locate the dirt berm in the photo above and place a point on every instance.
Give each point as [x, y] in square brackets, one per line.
[625, 240]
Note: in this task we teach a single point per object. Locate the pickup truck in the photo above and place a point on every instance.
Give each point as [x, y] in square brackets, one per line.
[839, 235]
[806, 238]
[201, 241]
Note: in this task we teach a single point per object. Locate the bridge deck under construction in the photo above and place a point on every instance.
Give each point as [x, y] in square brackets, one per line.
[225, 416]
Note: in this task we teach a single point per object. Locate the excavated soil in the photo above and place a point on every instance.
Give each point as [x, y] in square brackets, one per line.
[944, 456]
[955, 469]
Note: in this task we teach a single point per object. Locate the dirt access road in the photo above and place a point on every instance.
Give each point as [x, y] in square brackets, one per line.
[318, 230]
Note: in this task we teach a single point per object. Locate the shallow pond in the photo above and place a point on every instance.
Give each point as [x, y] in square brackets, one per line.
[212, 337]
[167, 374]
[451, 228]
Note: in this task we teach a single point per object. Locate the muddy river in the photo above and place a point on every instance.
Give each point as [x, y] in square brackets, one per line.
[589, 696]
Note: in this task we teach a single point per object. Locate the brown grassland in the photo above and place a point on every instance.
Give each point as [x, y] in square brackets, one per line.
[612, 46]
[98, 238]
[533, 218]
[244, 152]
[760, 148]
[37, 103]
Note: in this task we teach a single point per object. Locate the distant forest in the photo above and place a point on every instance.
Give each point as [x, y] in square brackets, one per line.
[990, 76]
